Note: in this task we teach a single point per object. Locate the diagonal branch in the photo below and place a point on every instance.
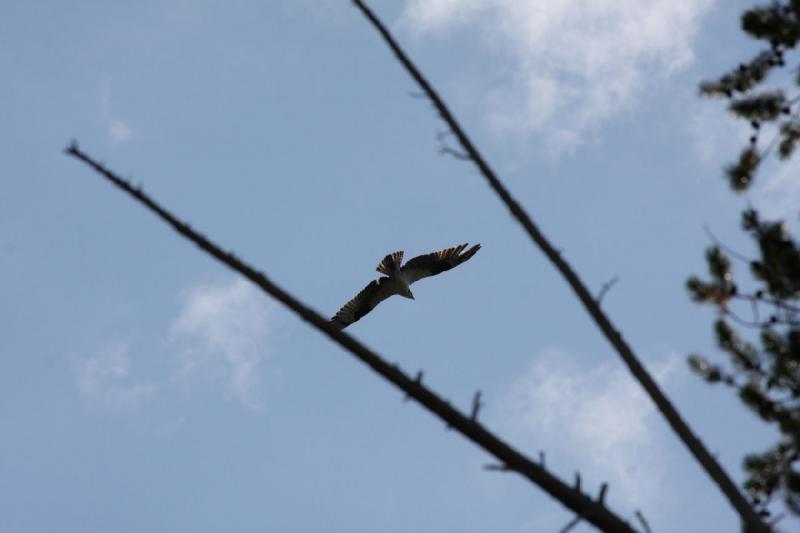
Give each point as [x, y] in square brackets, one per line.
[681, 428]
[594, 511]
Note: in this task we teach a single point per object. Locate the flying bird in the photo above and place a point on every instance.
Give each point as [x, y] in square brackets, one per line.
[398, 279]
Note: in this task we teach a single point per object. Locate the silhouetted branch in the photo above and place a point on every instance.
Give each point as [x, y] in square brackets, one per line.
[471, 429]
[708, 462]
[599, 504]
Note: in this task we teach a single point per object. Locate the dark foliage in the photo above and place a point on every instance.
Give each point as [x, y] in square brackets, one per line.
[778, 24]
[763, 347]
[765, 372]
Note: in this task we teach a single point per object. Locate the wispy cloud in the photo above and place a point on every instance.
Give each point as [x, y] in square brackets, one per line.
[593, 419]
[117, 129]
[224, 331]
[103, 379]
[576, 63]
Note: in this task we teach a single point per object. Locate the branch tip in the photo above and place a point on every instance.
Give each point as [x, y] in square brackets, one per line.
[601, 497]
[72, 147]
[476, 405]
[643, 521]
[605, 288]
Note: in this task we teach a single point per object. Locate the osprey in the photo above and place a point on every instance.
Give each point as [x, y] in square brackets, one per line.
[397, 280]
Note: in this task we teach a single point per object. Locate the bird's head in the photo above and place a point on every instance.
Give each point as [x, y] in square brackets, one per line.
[406, 292]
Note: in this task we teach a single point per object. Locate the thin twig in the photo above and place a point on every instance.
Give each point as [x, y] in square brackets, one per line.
[745, 323]
[730, 251]
[461, 156]
[605, 288]
[577, 520]
[754, 308]
[601, 496]
[643, 521]
[708, 462]
[474, 431]
[777, 302]
[476, 405]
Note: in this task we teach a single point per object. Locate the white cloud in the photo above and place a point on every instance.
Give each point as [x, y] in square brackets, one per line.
[118, 130]
[576, 62]
[103, 379]
[224, 331]
[596, 420]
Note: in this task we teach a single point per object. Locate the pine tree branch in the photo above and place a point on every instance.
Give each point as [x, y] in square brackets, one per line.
[681, 428]
[511, 459]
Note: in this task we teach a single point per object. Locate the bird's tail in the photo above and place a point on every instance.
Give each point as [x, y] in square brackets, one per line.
[390, 263]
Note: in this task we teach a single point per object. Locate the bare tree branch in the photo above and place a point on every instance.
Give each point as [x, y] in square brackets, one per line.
[512, 459]
[684, 432]
[601, 496]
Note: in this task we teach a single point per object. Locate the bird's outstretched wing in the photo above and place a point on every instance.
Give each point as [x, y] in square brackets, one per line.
[434, 263]
[365, 301]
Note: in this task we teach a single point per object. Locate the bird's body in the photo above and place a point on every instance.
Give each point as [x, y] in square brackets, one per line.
[397, 279]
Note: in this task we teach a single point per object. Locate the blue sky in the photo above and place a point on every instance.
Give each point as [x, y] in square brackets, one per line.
[144, 388]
